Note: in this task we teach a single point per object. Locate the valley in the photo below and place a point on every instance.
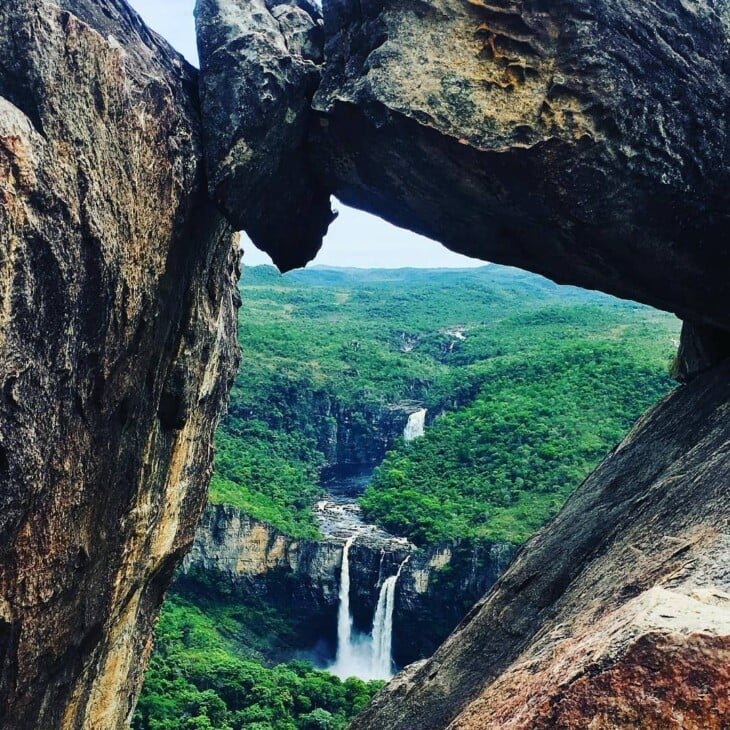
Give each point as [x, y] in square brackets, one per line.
[393, 438]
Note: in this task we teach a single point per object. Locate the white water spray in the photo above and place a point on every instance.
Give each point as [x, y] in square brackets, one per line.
[345, 648]
[416, 426]
[382, 660]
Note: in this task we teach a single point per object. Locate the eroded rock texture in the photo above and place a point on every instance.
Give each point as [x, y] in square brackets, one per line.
[257, 121]
[117, 346]
[586, 140]
[615, 615]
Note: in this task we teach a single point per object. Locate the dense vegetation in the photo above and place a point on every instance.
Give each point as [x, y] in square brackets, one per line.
[532, 384]
[539, 382]
[499, 467]
[200, 678]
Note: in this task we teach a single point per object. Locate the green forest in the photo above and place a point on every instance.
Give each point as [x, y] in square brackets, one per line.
[201, 677]
[528, 385]
[498, 468]
[535, 382]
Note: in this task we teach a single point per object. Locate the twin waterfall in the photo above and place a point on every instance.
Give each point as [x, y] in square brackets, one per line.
[370, 656]
[346, 650]
[366, 656]
[416, 426]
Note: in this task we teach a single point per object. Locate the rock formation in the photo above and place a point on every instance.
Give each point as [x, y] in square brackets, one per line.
[117, 283]
[586, 140]
[245, 557]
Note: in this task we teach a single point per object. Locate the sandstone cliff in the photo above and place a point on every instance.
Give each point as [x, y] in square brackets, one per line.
[242, 556]
[117, 283]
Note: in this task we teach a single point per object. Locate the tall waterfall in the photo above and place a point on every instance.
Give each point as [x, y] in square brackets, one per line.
[345, 648]
[382, 660]
[416, 426]
[368, 656]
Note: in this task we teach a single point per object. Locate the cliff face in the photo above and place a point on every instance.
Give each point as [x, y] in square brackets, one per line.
[117, 284]
[436, 588]
[248, 557]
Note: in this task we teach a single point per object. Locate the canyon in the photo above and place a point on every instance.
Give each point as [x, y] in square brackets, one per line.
[435, 589]
[586, 140]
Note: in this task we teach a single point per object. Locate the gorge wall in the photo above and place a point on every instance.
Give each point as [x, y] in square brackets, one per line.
[118, 346]
[437, 586]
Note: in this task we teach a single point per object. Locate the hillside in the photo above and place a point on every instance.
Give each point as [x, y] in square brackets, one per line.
[329, 351]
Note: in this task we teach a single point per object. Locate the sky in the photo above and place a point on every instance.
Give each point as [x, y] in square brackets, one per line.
[355, 238]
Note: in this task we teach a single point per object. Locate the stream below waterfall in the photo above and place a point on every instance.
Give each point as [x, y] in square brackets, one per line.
[367, 655]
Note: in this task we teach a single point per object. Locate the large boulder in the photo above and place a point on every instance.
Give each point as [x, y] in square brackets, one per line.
[118, 319]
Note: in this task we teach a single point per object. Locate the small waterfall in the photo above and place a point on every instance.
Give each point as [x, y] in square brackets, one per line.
[380, 569]
[382, 659]
[416, 426]
[345, 648]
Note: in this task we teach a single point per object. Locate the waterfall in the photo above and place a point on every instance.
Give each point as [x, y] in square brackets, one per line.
[380, 569]
[416, 425]
[368, 656]
[382, 659]
[345, 649]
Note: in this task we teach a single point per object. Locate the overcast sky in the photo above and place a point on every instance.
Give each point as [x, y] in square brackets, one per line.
[355, 238]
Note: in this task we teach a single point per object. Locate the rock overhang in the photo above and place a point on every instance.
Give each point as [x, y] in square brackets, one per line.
[585, 141]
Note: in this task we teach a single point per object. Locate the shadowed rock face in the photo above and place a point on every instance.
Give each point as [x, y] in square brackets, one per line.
[257, 121]
[117, 313]
[585, 140]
